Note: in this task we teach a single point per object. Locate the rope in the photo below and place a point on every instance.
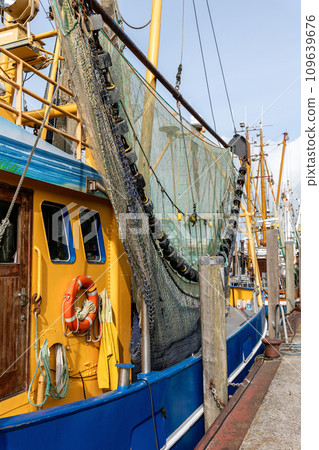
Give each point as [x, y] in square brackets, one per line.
[43, 359]
[46, 13]
[147, 160]
[204, 65]
[187, 162]
[153, 413]
[131, 26]
[221, 66]
[158, 97]
[98, 318]
[5, 222]
[180, 67]
[126, 23]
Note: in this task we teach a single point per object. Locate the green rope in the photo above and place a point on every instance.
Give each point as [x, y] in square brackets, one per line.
[43, 359]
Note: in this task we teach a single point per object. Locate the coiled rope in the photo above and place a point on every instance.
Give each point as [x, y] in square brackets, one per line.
[43, 359]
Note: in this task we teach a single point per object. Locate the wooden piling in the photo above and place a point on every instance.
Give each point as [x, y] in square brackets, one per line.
[272, 278]
[290, 276]
[213, 328]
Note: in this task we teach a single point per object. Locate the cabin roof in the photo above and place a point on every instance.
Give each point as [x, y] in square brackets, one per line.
[48, 164]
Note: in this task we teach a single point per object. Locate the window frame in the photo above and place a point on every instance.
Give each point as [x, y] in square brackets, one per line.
[67, 229]
[99, 236]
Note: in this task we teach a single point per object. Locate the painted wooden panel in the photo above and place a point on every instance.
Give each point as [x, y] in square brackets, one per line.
[15, 317]
[48, 163]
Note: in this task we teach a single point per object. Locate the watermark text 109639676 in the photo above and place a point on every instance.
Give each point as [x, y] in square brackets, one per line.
[310, 78]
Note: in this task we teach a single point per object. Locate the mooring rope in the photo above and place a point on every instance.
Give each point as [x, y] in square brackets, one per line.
[43, 359]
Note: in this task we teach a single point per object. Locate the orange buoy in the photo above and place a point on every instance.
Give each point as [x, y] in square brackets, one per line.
[73, 319]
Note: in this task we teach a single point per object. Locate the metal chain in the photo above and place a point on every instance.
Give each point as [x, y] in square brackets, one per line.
[239, 384]
[219, 403]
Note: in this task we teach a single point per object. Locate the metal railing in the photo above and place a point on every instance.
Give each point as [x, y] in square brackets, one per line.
[35, 117]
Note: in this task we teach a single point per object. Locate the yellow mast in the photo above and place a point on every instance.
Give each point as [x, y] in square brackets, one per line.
[248, 190]
[248, 184]
[263, 185]
[147, 125]
[281, 165]
[148, 111]
[154, 39]
[252, 252]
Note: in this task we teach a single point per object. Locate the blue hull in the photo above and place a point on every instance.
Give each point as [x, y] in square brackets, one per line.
[123, 419]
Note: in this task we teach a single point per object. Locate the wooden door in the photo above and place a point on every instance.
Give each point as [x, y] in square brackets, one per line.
[15, 268]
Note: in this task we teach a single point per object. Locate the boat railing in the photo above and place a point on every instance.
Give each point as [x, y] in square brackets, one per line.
[34, 118]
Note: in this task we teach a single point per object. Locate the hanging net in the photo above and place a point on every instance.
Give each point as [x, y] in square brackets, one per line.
[188, 179]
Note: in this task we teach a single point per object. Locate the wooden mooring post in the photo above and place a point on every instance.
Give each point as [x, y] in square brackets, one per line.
[212, 300]
[290, 276]
[272, 278]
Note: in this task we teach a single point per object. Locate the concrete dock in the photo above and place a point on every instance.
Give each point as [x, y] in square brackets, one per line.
[277, 423]
[265, 412]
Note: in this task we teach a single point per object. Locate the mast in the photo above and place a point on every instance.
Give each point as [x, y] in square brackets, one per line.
[252, 252]
[248, 175]
[248, 187]
[147, 128]
[263, 186]
[149, 101]
[281, 165]
[154, 40]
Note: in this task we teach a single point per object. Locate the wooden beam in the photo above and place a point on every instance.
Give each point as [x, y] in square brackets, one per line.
[212, 299]
[290, 276]
[272, 278]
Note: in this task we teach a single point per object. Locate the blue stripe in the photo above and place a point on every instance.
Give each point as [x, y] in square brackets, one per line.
[48, 164]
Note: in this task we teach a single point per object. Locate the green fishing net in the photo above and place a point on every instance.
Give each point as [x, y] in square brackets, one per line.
[189, 179]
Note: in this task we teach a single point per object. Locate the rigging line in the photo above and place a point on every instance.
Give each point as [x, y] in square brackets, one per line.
[204, 65]
[186, 157]
[153, 412]
[182, 47]
[190, 187]
[160, 99]
[146, 159]
[136, 28]
[180, 67]
[46, 13]
[277, 99]
[153, 171]
[221, 66]
[131, 26]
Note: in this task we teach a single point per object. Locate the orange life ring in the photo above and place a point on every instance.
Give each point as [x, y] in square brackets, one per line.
[70, 317]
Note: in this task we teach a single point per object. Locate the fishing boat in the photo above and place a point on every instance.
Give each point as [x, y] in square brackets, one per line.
[106, 209]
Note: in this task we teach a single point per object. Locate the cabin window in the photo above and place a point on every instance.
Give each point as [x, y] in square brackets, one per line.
[58, 232]
[92, 236]
[9, 243]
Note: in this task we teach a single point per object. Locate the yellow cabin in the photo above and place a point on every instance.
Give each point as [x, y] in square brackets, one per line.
[57, 232]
